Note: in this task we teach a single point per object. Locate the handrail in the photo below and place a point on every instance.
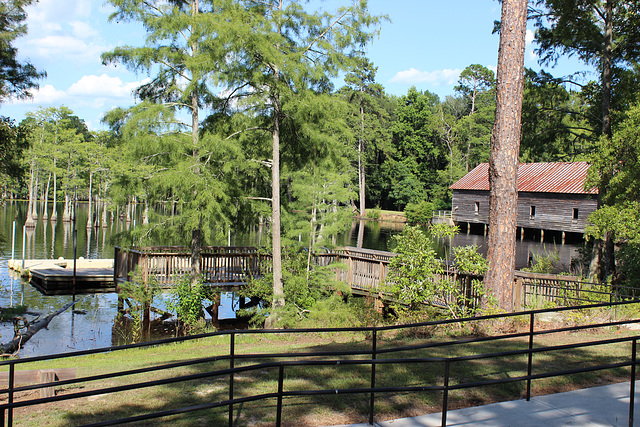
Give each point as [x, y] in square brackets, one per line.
[367, 358]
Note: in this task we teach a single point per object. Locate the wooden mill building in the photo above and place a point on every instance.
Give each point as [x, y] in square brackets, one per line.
[551, 196]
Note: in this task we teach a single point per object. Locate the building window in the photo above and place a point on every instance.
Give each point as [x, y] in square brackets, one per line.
[476, 208]
[575, 214]
[532, 212]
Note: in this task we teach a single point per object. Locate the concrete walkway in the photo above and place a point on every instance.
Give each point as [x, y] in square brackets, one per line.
[596, 406]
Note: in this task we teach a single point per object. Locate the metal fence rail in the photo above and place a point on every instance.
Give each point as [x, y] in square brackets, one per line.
[372, 357]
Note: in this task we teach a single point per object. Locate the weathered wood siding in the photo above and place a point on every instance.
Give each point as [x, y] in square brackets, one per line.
[555, 211]
[552, 211]
[465, 203]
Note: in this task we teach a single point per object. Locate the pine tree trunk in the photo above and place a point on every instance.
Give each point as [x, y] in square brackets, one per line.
[505, 145]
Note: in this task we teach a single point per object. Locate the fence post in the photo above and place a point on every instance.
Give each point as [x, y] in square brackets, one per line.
[12, 373]
[632, 387]
[280, 388]
[530, 355]
[232, 350]
[374, 349]
[445, 393]
[518, 293]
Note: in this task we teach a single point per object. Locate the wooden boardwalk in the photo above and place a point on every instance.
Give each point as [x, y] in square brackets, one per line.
[60, 281]
[55, 276]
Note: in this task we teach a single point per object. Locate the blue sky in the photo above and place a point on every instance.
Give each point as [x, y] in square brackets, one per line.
[426, 44]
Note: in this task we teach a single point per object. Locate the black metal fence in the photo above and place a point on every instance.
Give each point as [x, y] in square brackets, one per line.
[373, 357]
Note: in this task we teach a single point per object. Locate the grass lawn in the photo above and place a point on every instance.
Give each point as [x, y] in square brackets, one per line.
[318, 410]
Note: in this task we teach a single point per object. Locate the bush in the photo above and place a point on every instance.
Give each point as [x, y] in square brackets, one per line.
[311, 296]
[373, 214]
[140, 293]
[417, 278]
[419, 213]
[186, 301]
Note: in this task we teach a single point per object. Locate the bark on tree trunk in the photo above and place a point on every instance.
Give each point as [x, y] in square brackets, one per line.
[606, 259]
[505, 144]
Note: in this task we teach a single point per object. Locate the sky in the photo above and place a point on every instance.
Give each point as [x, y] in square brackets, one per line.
[426, 44]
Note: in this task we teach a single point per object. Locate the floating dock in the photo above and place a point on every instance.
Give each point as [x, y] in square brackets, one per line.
[56, 277]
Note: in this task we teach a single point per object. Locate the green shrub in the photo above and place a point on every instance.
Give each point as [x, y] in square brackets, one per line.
[419, 213]
[373, 214]
[186, 301]
[140, 293]
[311, 295]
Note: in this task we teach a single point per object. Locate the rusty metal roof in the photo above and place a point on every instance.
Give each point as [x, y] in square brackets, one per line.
[559, 177]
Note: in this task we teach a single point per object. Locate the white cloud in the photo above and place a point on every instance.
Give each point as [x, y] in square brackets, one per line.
[104, 86]
[63, 48]
[83, 30]
[45, 95]
[437, 77]
[529, 38]
[54, 11]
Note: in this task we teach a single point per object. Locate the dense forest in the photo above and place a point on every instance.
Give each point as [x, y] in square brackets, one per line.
[248, 123]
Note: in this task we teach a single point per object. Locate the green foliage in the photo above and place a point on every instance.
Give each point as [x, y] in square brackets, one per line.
[311, 293]
[140, 293]
[417, 278]
[186, 301]
[374, 214]
[412, 273]
[13, 141]
[468, 260]
[17, 78]
[419, 213]
[443, 230]
[547, 262]
[554, 121]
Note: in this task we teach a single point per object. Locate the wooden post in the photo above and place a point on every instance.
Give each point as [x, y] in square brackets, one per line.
[517, 294]
[47, 376]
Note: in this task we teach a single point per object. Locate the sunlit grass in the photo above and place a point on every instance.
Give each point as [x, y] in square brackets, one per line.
[336, 408]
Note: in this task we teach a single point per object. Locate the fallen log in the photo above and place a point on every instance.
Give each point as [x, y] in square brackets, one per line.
[19, 339]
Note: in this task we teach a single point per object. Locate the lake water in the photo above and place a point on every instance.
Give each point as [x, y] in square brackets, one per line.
[69, 331]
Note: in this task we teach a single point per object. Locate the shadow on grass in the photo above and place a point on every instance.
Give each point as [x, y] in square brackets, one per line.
[338, 407]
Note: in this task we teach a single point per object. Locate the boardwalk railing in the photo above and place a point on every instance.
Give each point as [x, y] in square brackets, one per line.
[377, 372]
[364, 270]
[536, 289]
[220, 264]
